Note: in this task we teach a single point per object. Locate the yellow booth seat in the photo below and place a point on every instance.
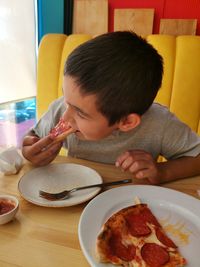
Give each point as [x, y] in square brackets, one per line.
[180, 89]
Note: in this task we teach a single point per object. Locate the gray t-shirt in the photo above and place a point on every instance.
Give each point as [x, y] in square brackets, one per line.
[159, 133]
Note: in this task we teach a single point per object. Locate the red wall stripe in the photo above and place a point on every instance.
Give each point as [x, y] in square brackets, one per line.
[175, 9]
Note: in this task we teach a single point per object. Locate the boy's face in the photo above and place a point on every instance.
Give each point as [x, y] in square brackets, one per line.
[82, 114]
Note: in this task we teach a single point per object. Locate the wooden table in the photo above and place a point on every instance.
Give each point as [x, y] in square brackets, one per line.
[48, 237]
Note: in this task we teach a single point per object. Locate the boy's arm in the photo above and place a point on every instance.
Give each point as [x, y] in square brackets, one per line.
[179, 168]
[40, 151]
[143, 166]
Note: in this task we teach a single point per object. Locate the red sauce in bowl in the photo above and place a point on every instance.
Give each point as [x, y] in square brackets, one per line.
[6, 206]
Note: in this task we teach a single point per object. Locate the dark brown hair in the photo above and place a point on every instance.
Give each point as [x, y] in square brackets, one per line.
[122, 69]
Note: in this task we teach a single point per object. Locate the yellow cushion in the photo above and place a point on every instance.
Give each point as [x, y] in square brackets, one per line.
[48, 70]
[185, 100]
[165, 45]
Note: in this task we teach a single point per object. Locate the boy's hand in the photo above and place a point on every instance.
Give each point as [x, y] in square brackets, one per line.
[141, 164]
[38, 151]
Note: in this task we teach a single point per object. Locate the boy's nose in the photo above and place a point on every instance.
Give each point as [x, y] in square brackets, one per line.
[68, 114]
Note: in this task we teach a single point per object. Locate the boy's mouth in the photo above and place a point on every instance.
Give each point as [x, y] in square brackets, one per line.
[79, 134]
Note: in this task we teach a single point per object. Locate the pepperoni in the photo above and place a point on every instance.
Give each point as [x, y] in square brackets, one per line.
[149, 217]
[136, 225]
[119, 250]
[154, 255]
[164, 239]
[137, 221]
[59, 128]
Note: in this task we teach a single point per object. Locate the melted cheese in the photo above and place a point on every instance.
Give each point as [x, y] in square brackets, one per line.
[178, 230]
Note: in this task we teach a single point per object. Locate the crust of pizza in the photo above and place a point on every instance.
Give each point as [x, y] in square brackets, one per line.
[118, 244]
[102, 246]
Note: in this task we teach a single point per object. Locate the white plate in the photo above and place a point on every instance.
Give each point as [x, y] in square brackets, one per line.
[169, 206]
[58, 177]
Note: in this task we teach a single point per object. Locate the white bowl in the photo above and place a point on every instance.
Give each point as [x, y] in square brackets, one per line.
[10, 214]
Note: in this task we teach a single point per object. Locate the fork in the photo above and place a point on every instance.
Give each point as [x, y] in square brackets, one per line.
[66, 193]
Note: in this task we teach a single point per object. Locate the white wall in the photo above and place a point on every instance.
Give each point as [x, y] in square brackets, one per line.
[17, 50]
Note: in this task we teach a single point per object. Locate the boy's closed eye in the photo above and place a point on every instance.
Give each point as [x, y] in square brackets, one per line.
[79, 111]
[81, 115]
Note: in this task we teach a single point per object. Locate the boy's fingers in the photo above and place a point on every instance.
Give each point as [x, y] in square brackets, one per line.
[43, 144]
[121, 158]
[47, 155]
[127, 163]
[144, 169]
[30, 140]
[140, 165]
[49, 151]
[134, 154]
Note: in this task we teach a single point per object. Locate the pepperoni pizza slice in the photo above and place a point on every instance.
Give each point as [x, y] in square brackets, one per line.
[133, 237]
[61, 131]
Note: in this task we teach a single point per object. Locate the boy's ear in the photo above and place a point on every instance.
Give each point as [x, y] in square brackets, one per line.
[129, 122]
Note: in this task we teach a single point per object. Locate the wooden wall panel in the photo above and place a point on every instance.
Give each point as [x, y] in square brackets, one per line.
[90, 16]
[139, 20]
[178, 26]
[176, 9]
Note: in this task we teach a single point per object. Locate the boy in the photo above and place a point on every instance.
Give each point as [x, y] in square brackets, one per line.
[109, 86]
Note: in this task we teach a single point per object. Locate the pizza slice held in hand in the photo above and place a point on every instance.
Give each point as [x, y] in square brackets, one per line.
[61, 131]
[133, 237]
